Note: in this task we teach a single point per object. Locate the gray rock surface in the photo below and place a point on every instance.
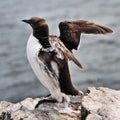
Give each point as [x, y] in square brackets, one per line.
[99, 104]
[47, 111]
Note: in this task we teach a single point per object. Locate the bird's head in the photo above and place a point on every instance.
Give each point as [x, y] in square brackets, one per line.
[39, 26]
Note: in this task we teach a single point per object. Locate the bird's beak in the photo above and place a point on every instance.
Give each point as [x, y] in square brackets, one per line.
[26, 21]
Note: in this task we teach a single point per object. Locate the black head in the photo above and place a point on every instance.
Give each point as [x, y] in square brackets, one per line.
[39, 26]
[35, 21]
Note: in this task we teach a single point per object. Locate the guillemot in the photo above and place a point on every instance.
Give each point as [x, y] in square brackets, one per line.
[48, 54]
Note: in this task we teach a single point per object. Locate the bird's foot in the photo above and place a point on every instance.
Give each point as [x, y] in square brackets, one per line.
[65, 98]
[48, 99]
[80, 93]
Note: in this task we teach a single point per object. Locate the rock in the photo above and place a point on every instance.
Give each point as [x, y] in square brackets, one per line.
[101, 104]
[47, 111]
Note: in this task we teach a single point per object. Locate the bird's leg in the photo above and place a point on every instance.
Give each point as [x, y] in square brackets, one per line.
[48, 99]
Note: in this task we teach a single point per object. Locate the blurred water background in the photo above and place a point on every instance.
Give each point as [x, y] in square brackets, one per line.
[99, 54]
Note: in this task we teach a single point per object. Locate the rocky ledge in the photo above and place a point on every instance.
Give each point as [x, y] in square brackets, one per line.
[99, 104]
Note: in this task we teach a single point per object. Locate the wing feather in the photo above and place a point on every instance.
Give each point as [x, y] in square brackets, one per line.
[70, 31]
[65, 51]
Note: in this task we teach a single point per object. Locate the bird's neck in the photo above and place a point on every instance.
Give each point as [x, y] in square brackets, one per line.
[43, 39]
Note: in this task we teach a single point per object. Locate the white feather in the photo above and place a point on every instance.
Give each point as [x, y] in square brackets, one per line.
[55, 68]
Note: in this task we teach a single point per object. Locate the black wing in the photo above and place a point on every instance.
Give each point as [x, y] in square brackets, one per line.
[70, 31]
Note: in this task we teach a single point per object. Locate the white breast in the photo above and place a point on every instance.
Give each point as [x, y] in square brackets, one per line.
[33, 48]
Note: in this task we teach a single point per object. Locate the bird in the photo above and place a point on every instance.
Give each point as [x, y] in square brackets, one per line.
[48, 54]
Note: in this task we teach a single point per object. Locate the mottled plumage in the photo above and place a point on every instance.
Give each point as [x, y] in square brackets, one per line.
[49, 55]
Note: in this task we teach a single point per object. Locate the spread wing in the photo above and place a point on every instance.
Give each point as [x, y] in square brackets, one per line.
[70, 31]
